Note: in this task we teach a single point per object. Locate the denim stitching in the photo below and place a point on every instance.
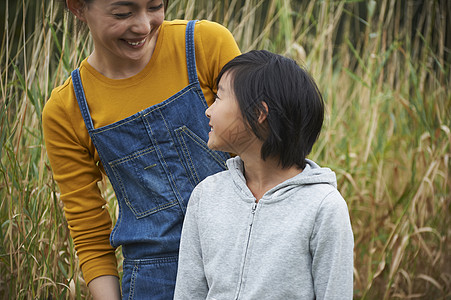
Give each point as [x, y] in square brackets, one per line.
[180, 132]
[203, 145]
[130, 204]
[116, 226]
[131, 157]
[81, 99]
[100, 131]
[170, 174]
[157, 209]
[187, 154]
[119, 219]
[193, 183]
[151, 261]
[132, 281]
[125, 195]
[191, 54]
[140, 116]
[144, 115]
[202, 97]
[169, 102]
[172, 182]
[187, 157]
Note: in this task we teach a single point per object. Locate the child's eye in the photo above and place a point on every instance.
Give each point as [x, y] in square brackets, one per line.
[215, 97]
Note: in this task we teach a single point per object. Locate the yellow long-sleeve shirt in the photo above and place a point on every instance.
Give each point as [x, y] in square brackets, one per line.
[73, 157]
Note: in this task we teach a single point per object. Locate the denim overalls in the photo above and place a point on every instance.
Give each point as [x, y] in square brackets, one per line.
[153, 160]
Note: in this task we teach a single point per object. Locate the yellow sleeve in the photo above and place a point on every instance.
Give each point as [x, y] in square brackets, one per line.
[215, 46]
[75, 170]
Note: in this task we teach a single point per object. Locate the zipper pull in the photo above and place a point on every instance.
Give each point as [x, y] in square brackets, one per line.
[251, 219]
[254, 207]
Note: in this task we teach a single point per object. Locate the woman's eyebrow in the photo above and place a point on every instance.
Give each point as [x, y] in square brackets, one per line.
[123, 3]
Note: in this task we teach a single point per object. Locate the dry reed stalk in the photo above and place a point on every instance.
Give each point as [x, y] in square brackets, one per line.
[383, 68]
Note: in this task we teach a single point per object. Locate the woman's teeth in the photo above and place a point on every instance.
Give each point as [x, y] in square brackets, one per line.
[136, 43]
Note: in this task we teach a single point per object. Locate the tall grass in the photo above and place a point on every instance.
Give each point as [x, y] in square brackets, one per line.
[384, 70]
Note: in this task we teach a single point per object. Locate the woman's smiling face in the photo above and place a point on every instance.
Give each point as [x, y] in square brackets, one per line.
[123, 29]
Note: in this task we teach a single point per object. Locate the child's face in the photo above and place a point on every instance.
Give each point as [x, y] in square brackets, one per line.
[124, 30]
[229, 132]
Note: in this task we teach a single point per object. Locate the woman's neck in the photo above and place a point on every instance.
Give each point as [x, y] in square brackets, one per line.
[118, 70]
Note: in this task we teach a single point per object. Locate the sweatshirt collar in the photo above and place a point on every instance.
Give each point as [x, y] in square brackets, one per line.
[312, 174]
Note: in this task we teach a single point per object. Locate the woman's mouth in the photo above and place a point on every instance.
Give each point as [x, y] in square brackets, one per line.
[138, 43]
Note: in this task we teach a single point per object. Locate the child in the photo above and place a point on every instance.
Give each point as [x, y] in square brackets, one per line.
[273, 226]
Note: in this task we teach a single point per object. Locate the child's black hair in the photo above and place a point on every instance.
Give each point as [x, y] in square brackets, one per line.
[295, 105]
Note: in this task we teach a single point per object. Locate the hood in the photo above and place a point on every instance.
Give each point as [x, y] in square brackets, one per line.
[312, 174]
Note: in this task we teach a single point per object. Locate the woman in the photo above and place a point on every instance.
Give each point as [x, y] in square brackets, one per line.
[134, 110]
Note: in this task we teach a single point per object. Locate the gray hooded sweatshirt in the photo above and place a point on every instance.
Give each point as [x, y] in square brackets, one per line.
[295, 243]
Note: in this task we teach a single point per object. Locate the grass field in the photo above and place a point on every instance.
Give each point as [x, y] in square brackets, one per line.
[384, 70]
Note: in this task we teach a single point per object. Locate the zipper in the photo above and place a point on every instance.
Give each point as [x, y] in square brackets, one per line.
[254, 207]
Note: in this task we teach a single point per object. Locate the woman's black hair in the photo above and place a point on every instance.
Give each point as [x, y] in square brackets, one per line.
[166, 3]
[295, 107]
[81, 26]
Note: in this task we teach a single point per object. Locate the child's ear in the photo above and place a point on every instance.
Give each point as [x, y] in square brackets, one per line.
[263, 113]
[77, 7]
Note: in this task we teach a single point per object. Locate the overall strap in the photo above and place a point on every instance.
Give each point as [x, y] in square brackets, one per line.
[81, 99]
[190, 52]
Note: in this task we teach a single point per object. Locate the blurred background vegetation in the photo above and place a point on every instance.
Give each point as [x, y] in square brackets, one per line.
[384, 70]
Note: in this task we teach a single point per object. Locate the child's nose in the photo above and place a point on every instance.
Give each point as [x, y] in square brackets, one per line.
[207, 112]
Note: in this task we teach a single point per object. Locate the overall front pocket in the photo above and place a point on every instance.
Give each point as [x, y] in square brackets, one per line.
[200, 160]
[143, 183]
